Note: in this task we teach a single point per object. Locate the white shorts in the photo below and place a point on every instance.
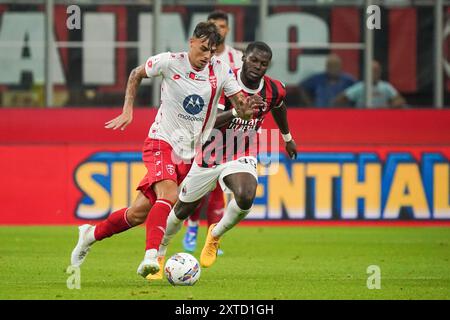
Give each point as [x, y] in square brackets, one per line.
[199, 181]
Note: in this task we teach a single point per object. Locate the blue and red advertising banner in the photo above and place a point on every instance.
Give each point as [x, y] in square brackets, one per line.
[63, 167]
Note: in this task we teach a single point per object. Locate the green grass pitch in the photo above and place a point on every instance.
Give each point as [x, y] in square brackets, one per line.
[259, 263]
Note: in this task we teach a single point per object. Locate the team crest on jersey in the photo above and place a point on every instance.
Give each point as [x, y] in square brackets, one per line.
[170, 169]
[193, 104]
[213, 81]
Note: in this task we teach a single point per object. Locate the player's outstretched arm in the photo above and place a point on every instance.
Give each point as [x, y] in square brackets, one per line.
[223, 118]
[280, 116]
[246, 107]
[134, 80]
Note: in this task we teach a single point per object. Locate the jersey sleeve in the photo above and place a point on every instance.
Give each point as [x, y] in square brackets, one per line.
[157, 65]
[221, 104]
[281, 94]
[231, 86]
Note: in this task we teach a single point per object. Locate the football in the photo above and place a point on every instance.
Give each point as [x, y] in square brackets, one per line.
[182, 269]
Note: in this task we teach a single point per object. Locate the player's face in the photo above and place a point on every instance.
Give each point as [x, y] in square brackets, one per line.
[255, 64]
[222, 25]
[200, 52]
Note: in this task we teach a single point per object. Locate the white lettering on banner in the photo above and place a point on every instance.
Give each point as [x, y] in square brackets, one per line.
[99, 63]
[98, 48]
[310, 29]
[20, 31]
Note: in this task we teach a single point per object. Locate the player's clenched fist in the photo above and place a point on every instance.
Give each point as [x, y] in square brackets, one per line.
[121, 121]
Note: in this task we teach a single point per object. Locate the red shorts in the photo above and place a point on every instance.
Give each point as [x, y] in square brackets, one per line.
[161, 165]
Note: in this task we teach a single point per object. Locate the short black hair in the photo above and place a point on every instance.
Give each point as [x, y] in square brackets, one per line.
[207, 30]
[260, 46]
[218, 14]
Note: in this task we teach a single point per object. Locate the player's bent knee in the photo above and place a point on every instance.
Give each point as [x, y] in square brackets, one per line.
[244, 199]
[185, 209]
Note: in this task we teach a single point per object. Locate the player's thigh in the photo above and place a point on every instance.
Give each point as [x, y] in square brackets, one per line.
[198, 183]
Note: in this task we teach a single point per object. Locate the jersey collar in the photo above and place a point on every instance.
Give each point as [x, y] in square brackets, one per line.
[242, 85]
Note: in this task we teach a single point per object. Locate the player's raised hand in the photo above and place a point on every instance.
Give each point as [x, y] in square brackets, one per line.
[251, 107]
[291, 149]
[120, 122]
[256, 104]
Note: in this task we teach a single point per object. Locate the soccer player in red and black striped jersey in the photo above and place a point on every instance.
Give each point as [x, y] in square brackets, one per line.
[229, 155]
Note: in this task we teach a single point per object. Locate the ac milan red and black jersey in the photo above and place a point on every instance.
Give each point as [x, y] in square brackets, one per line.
[239, 137]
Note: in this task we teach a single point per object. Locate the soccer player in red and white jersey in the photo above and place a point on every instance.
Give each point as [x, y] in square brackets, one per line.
[225, 52]
[190, 90]
[233, 165]
[214, 203]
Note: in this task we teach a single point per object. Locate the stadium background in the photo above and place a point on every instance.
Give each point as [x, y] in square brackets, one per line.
[370, 188]
[353, 164]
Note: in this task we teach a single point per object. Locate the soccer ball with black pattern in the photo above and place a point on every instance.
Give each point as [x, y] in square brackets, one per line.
[182, 269]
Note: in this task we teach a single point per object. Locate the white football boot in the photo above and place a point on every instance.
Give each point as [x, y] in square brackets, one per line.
[85, 240]
[150, 264]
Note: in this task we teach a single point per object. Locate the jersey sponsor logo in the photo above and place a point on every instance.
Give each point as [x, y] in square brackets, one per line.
[195, 76]
[239, 124]
[190, 118]
[193, 104]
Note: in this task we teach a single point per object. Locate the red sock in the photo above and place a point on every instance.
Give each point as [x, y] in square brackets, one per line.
[115, 223]
[156, 223]
[216, 206]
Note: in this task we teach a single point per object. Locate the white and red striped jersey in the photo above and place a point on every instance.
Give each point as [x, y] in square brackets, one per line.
[231, 56]
[189, 99]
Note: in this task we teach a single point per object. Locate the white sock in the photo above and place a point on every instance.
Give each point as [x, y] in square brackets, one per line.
[173, 226]
[150, 254]
[233, 214]
[90, 238]
[192, 223]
